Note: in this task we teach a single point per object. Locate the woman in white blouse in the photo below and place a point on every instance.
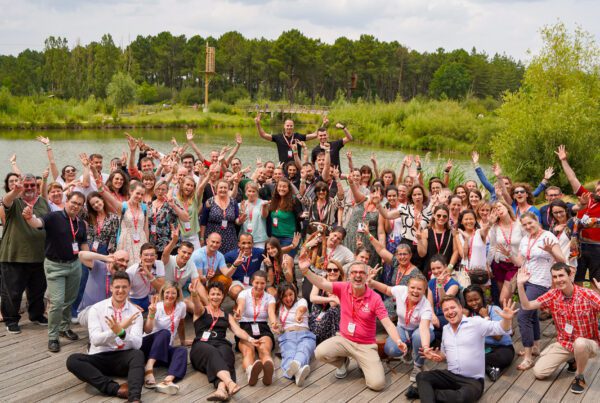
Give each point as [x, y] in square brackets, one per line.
[297, 342]
[166, 316]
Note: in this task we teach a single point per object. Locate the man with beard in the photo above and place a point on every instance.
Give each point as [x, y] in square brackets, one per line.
[335, 146]
[102, 269]
[22, 255]
[589, 238]
[575, 312]
[360, 307]
[245, 260]
[66, 237]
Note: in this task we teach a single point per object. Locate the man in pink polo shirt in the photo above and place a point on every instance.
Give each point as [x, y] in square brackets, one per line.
[360, 306]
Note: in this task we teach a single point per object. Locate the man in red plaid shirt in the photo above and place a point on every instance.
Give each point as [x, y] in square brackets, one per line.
[575, 312]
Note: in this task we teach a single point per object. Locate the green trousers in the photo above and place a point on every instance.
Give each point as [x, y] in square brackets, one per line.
[63, 285]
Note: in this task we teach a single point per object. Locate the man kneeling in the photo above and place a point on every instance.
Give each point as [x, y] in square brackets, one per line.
[115, 331]
[575, 312]
[360, 306]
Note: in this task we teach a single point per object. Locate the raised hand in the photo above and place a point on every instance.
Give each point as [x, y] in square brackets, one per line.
[508, 311]
[27, 213]
[373, 158]
[303, 261]
[548, 245]
[548, 173]
[131, 142]
[418, 160]
[349, 155]
[44, 140]
[112, 323]
[503, 249]
[561, 152]
[257, 118]
[326, 121]
[373, 271]
[83, 157]
[523, 276]
[475, 157]
[497, 169]
[296, 239]
[46, 173]
[152, 306]
[449, 165]
[189, 135]
[13, 159]
[238, 138]
[127, 322]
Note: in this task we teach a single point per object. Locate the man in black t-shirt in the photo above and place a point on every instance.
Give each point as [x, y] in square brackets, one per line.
[336, 145]
[284, 141]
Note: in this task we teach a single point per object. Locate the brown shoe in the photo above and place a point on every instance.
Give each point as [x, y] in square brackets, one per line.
[123, 391]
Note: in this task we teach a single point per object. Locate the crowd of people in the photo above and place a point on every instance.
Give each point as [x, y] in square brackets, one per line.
[313, 255]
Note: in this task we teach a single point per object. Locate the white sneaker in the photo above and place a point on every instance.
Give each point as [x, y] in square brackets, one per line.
[167, 388]
[415, 371]
[74, 321]
[253, 371]
[301, 375]
[342, 371]
[293, 369]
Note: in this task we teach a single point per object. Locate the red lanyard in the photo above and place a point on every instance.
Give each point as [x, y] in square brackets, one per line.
[107, 286]
[400, 274]
[171, 316]
[245, 268]
[282, 318]
[212, 189]
[118, 314]
[177, 270]
[214, 319]
[208, 263]
[251, 210]
[409, 312]
[289, 143]
[439, 245]
[321, 211]
[530, 245]
[254, 308]
[470, 251]
[135, 218]
[509, 238]
[99, 226]
[74, 230]
[157, 210]
[31, 204]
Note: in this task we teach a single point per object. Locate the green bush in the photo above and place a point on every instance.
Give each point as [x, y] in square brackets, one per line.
[218, 106]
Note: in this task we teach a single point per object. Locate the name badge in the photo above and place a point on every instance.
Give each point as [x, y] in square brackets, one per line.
[153, 228]
[246, 280]
[95, 246]
[205, 336]
[75, 247]
[321, 314]
[275, 220]
[361, 227]
[249, 227]
[120, 344]
[187, 225]
[136, 237]
[255, 329]
[223, 224]
[569, 328]
[351, 328]
[290, 153]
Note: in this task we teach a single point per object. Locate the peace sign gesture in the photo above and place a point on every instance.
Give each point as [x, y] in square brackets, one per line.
[152, 307]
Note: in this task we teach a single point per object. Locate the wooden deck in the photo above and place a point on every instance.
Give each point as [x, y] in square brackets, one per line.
[30, 373]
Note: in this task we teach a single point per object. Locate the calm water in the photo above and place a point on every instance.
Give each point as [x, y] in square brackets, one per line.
[67, 144]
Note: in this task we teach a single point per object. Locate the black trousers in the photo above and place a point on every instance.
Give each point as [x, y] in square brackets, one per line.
[500, 357]
[95, 369]
[445, 386]
[211, 357]
[19, 277]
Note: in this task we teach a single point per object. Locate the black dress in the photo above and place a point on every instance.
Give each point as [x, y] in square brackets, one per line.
[216, 354]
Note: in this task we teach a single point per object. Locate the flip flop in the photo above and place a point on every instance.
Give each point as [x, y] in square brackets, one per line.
[232, 390]
[525, 365]
[149, 380]
[218, 396]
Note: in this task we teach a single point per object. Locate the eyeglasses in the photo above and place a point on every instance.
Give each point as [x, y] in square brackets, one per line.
[560, 212]
[333, 270]
[357, 273]
[519, 191]
[70, 171]
[30, 186]
[441, 216]
[402, 254]
[321, 190]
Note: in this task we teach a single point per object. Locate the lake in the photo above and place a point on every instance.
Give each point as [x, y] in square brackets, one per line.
[67, 144]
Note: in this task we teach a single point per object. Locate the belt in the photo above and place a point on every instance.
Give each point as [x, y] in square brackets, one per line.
[60, 261]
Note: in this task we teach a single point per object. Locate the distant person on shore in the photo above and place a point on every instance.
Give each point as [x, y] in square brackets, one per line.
[285, 140]
[22, 255]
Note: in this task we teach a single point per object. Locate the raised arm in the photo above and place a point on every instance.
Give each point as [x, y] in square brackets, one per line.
[561, 152]
[189, 135]
[53, 168]
[481, 175]
[326, 174]
[347, 136]
[374, 162]
[87, 258]
[238, 144]
[385, 255]
[261, 131]
[13, 164]
[358, 196]
[313, 135]
[113, 204]
[166, 255]
[317, 281]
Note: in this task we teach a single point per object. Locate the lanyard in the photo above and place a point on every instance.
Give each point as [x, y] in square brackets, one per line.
[439, 245]
[208, 263]
[118, 313]
[470, 251]
[74, 230]
[250, 210]
[31, 204]
[177, 270]
[99, 226]
[530, 245]
[321, 211]
[256, 311]
[399, 274]
[352, 299]
[157, 210]
[283, 318]
[289, 143]
[245, 268]
[107, 284]
[408, 312]
[134, 213]
[509, 238]
[171, 316]
[213, 318]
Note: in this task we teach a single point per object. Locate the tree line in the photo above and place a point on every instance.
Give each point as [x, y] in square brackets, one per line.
[292, 67]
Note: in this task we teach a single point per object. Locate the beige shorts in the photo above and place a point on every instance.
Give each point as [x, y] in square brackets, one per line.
[555, 355]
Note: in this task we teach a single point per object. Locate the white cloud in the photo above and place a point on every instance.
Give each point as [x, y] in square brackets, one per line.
[494, 26]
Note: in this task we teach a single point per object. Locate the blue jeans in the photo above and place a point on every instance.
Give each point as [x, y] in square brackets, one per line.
[85, 273]
[286, 242]
[411, 338]
[529, 321]
[296, 346]
[141, 302]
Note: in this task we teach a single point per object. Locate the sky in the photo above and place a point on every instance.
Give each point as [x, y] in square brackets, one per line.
[508, 27]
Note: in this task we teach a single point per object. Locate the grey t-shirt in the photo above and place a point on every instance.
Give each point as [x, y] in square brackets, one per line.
[97, 287]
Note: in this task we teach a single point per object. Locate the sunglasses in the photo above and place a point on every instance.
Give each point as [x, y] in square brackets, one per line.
[333, 270]
[30, 186]
[321, 190]
[519, 191]
[70, 171]
[441, 216]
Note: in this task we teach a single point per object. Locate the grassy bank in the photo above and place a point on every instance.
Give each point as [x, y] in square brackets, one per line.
[418, 124]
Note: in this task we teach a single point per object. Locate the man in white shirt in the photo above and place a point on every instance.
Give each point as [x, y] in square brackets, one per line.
[146, 275]
[180, 268]
[115, 329]
[463, 347]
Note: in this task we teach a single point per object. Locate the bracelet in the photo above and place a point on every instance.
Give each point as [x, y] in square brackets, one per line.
[447, 170]
[419, 168]
[439, 285]
[451, 266]
[194, 294]
[121, 334]
[151, 316]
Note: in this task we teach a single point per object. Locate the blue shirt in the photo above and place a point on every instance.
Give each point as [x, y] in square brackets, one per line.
[495, 316]
[203, 262]
[247, 268]
[465, 349]
[436, 300]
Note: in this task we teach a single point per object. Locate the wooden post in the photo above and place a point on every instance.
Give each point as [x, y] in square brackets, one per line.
[208, 72]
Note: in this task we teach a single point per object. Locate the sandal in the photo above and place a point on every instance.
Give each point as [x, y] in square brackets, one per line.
[218, 396]
[525, 365]
[232, 390]
[149, 381]
[534, 351]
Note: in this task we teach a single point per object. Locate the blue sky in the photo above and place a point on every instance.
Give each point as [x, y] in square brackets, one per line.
[494, 26]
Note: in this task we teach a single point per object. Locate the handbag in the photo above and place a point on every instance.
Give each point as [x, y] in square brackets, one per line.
[462, 277]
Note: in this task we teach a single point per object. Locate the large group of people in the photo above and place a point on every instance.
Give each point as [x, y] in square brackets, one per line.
[299, 253]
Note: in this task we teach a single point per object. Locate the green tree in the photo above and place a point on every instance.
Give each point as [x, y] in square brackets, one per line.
[451, 80]
[558, 103]
[121, 90]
